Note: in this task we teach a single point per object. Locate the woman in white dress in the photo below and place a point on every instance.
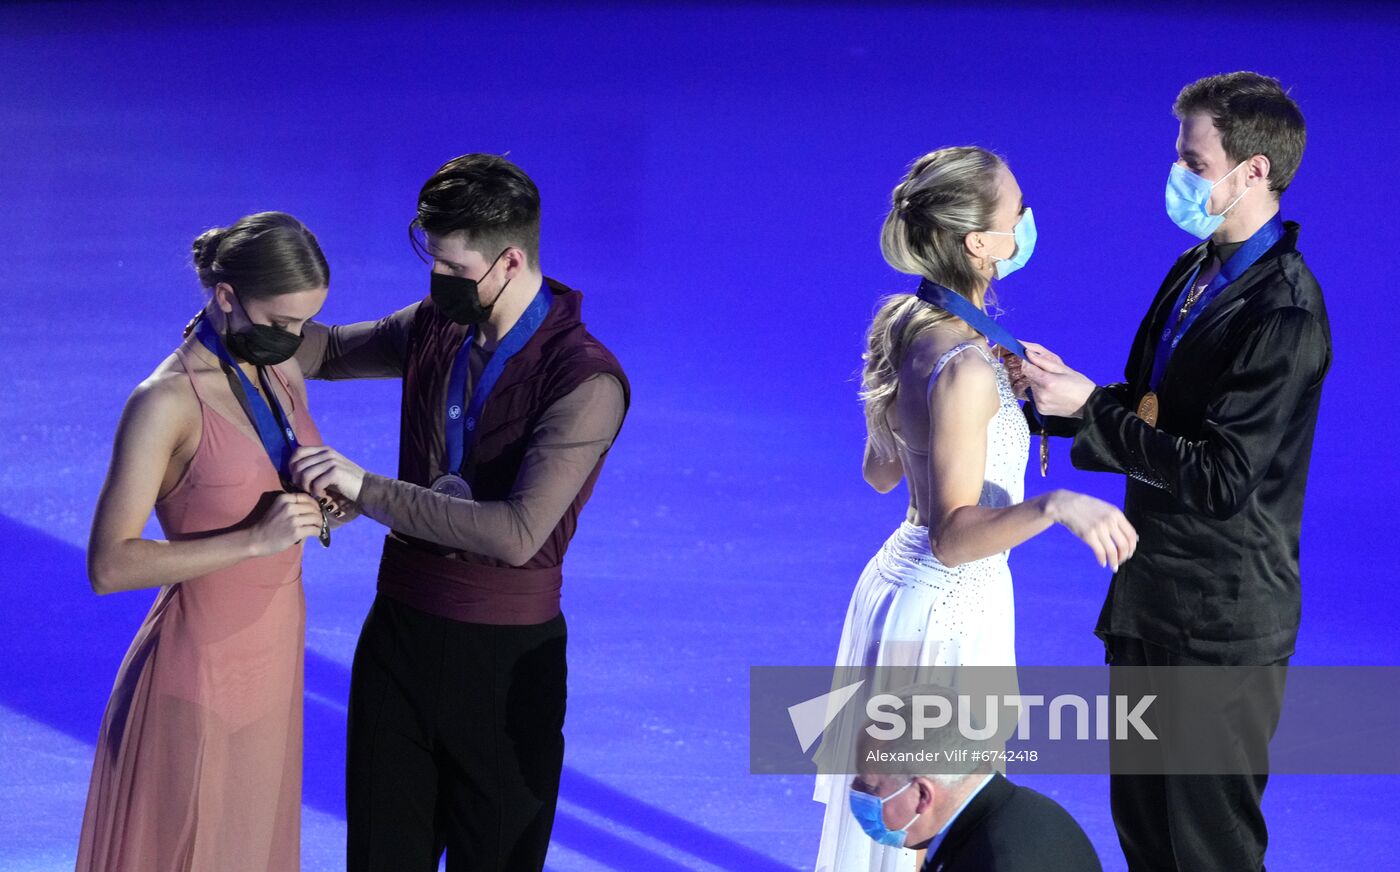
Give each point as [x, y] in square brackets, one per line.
[941, 415]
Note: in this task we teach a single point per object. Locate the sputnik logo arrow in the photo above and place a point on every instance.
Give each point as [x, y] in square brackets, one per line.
[811, 718]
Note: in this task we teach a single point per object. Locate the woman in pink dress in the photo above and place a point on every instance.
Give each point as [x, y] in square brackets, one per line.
[198, 763]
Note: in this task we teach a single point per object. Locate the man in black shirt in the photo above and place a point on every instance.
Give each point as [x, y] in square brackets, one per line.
[1213, 429]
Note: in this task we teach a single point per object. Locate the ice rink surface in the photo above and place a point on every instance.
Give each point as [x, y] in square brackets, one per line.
[713, 179]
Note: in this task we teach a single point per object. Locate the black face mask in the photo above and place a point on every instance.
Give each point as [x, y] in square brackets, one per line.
[261, 344]
[460, 299]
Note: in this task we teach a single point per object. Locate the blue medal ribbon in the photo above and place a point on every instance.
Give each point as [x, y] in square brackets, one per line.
[274, 430]
[954, 303]
[461, 424]
[1248, 254]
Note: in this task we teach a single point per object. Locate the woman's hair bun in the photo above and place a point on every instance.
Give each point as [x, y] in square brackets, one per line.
[205, 250]
[261, 255]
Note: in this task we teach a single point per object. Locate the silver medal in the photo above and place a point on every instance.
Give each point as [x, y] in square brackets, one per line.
[453, 486]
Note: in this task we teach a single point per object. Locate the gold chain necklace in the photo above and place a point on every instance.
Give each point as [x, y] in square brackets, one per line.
[1192, 296]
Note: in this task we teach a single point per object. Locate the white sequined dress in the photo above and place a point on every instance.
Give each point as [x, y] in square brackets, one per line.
[910, 610]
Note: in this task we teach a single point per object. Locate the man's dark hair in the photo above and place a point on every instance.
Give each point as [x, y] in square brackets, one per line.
[1254, 116]
[485, 197]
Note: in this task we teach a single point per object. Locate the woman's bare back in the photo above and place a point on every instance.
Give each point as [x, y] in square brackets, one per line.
[909, 414]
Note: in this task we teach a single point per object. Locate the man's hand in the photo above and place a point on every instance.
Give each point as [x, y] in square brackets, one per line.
[1058, 390]
[324, 472]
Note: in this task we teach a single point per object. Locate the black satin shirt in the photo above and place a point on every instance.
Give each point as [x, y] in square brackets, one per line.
[1215, 490]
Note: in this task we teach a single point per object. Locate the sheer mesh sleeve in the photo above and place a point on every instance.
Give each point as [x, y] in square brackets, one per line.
[564, 447]
[369, 349]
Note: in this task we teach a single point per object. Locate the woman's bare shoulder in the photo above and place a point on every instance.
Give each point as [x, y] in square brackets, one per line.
[165, 397]
[928, 348]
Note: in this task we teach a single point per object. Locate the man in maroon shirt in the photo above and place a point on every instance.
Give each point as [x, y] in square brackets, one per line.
[509, 408]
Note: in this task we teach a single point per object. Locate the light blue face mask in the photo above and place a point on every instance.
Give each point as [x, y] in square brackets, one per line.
[1025, 244]
[1188, 201]
[870, 814]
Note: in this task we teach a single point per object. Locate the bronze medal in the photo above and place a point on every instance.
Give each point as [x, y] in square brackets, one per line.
[1147, 409]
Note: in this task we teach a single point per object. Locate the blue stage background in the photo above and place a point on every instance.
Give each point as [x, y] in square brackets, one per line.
[713, 179]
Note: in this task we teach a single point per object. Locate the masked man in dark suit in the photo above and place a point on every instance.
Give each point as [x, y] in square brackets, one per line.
[1213, 429]
[934, 790]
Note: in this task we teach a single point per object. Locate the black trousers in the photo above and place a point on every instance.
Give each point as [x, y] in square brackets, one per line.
[1194, 822]
[455, 742]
